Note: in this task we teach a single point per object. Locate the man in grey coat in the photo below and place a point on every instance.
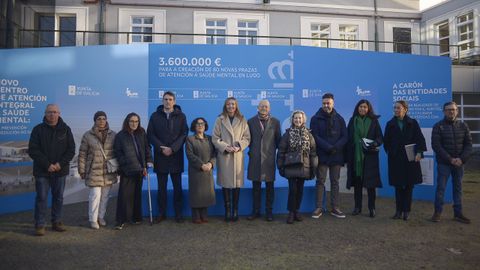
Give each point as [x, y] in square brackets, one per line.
[265, 136]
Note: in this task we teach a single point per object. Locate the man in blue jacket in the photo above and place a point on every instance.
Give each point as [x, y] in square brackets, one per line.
[452, 144]
[51, 148]
[167, 131]
[330, 133]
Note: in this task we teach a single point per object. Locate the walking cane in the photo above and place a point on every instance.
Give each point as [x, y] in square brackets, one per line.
[149, 198]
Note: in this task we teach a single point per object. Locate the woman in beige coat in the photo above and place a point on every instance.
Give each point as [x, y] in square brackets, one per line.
[230, 137]
[92, 166]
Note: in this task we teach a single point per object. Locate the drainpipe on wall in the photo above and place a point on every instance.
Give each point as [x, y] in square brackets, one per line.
[101, 23]
[375, 18]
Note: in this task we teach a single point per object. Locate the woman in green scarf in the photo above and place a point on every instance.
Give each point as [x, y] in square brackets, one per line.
[364, 138]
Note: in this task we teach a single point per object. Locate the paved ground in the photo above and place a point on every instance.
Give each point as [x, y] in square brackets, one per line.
[327, 243]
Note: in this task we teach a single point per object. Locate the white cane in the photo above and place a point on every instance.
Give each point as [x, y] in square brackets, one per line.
[149, 198]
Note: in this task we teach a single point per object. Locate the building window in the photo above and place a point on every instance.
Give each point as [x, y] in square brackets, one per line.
[465, 31]
[216, 27]
[348, 32]
[322, 32]
[141, 25]
[47, 26]
[402, 39]
[469, 112]
[142, 28]
[249, 29]
[444, 38]
[239, 28]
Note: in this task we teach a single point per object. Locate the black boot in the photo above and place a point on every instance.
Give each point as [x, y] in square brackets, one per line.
[297, 216]
[226, 200]
[406, 215]
[398, 215]
[373, 213]
[291, 217]
[236, 195]
[269, 215]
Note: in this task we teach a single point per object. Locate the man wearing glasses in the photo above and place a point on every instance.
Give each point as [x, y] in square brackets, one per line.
[51, 148]
[452, 143]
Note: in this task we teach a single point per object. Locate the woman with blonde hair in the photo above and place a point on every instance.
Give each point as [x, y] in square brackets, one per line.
[297, 161]
[230, 137]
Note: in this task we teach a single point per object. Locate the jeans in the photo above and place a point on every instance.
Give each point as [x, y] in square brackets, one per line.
[334, 171]
[42, 186]
[443, 173]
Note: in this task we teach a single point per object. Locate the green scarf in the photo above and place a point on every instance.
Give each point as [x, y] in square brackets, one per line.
[361, 126]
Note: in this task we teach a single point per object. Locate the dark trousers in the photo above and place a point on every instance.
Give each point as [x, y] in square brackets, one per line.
[162, 179]
[42, 186]
[403, 198]
[257, 196]
[357, 192]
[199, 213]
[295, 193]
[129, 201]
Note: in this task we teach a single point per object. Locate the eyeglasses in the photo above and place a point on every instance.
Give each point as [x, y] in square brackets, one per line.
[200, 124]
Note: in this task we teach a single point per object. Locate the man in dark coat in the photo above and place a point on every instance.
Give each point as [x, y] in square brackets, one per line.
[167, 131]
[51, 148]
[265, 136]
[328, 129]
[452, 143]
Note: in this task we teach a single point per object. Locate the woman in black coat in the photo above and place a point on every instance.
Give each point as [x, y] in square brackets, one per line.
[297, 139]
[403, 174]
[364, 138]
[133, 153]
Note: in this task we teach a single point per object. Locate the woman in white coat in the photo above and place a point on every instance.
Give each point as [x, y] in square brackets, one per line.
[231, 137]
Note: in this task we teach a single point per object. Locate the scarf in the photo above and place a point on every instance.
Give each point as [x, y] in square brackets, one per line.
[361, 126]
[263, 120]
[101, 134]
[299, 139]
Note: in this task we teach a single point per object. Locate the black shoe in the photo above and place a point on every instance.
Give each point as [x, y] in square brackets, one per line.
[297, 216]
[406, 215]
[179, 219]
[254, 215]
[372, 213]
[461, 218]
[290, 218]
[119, 226]
[356, 211]
[398, 215]
[269, 215]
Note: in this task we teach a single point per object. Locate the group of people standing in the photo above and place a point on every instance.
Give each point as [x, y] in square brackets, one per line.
[300, 154]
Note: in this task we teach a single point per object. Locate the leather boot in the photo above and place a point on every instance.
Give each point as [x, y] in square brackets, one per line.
[226, 200]
[398, 215]
[290, 218]
[236, 195]
[297, 216]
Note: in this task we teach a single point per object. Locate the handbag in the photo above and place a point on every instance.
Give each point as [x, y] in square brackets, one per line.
[112, 164]
[294, 158]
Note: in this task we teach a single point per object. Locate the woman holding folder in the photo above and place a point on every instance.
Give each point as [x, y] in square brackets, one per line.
[404, 144]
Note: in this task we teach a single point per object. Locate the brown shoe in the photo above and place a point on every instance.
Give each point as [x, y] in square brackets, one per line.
[40, 231]
[58, 226]
[461, 218]
[436, 217]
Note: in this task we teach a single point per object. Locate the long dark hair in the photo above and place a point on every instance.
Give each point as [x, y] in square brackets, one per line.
[371, 114]
[126, 126]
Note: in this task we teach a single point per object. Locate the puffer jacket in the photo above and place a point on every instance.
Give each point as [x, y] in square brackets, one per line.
[451, 139]
[91, 161]
[310, 161]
